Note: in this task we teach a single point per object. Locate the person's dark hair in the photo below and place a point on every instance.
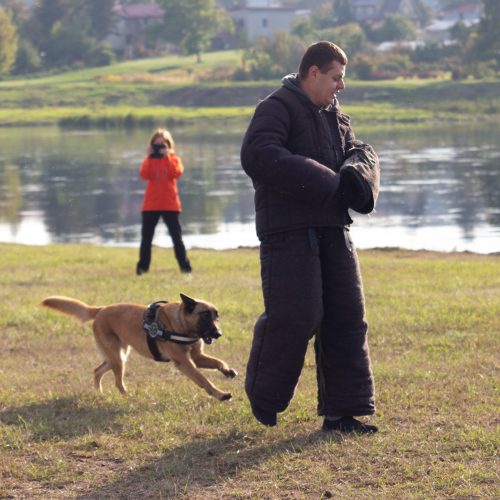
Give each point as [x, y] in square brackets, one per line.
[321, 54]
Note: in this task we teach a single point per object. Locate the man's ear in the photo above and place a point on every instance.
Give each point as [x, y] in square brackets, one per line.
[313, 71]
[189, 303]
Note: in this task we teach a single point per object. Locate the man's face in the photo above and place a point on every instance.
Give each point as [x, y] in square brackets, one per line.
[324, 86]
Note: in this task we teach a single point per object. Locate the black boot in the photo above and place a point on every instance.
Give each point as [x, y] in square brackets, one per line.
[348, 424]
[140, 270]
[186, 267]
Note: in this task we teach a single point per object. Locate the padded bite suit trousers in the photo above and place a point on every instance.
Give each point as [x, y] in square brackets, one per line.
[312, 287]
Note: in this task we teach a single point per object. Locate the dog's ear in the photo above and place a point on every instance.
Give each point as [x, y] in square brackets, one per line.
[189, 303]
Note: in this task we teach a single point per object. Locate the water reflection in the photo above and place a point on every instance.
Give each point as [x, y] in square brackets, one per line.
[440, 188]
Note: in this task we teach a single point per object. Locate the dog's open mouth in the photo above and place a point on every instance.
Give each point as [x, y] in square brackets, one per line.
[210, 335]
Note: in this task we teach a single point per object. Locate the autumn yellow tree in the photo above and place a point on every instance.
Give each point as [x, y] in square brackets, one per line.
[8, 42]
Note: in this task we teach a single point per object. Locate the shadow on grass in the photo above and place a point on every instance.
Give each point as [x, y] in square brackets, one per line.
[61, 418]
[202, 464]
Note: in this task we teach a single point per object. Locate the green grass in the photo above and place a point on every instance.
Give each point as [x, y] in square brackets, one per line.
[434, 324]
[156, 65]
[136, 92]
[119, 115]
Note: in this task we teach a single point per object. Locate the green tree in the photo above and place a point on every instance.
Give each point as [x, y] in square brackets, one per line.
[66, 32]
[350, 37]
[395, 27]
[342, 12]
[487, 42]
[102, 17]
[322, 16]
[304, 29]
[8, 42]
[192, 24]
[17, 10]
[274, 58]
[27, 59]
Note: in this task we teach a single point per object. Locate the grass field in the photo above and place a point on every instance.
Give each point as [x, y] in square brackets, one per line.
[137, 92]
[434, 324]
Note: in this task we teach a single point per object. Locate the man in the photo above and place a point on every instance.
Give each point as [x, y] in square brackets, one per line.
[307, 170]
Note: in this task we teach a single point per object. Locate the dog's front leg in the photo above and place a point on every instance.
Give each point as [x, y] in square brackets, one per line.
[203, 361]
[187, 367]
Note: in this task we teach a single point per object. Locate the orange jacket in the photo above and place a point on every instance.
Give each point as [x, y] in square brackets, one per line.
[161, 190]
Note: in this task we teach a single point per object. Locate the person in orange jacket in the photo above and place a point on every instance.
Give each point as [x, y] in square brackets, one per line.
[161, 168]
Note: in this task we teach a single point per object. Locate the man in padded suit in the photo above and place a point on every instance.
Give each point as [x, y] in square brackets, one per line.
[308, 169]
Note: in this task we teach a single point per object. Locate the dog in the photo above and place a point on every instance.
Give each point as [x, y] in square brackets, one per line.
[120, 327]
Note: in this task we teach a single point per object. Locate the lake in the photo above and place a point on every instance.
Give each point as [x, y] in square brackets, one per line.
[440, 188]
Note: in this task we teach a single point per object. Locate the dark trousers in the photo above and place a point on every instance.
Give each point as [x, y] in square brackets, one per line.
[149, 221]
[312, 286]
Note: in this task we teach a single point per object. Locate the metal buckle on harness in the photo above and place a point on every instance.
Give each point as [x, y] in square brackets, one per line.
[152, 329]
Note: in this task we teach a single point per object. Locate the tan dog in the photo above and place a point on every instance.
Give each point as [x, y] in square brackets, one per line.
[119, 327]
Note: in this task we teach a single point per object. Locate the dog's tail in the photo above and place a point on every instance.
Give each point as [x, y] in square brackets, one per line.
[72, 307]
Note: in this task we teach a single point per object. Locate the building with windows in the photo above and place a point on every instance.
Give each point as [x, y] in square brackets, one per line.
[129, 35]
[261, 18]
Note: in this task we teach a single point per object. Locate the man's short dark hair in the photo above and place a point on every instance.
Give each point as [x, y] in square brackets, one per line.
[321, 54]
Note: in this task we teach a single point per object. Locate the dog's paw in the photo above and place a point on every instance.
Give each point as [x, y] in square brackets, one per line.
[230, 373]
[226, 396]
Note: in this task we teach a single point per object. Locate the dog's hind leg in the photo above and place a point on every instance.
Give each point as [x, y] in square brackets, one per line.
[99, 373]
[117, 364]
[119, 372]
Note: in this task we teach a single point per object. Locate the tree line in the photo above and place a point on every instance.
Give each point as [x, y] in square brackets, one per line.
[473, 51]
[61, 34]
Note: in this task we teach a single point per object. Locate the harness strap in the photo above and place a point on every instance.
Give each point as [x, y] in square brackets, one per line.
[155, 330]
[153, 347]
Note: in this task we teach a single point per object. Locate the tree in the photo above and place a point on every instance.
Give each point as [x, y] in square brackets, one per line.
[8, 42]
[395, 27]
[17, 10]
[342, 12]
[322, 16]
[350, 37]
[487, 43]
[68, 31]
[27, 60]
[102, 17]
[274, 58]
[192, 24]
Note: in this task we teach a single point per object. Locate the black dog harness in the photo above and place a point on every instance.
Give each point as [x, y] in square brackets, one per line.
[156, 330]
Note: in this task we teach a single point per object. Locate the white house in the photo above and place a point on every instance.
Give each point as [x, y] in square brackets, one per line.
[261, 18]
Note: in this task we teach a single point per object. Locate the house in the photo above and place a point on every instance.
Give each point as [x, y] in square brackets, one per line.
[261, 18]
[365, 10]
[468, 13]
[376, 10]
[130, 32]
[439, 31]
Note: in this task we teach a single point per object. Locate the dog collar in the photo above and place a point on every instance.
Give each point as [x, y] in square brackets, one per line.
[156, 330]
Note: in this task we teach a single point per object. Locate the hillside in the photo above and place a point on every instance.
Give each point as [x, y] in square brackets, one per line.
[144, 88]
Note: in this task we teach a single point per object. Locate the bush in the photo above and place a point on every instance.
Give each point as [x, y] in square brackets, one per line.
[363, 67]
[101, 55]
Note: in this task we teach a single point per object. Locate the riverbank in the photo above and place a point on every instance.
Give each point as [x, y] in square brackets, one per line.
[142, 93]
[434, 322]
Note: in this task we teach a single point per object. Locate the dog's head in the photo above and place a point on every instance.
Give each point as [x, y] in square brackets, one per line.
[205, 317]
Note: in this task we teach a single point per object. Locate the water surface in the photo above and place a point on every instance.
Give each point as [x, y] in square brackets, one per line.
[440, 188]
